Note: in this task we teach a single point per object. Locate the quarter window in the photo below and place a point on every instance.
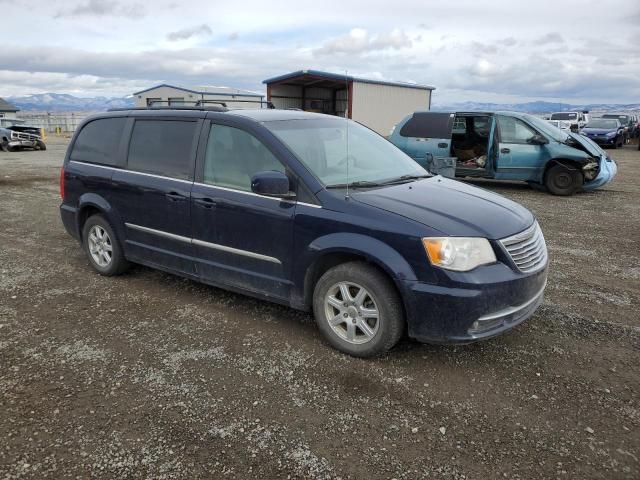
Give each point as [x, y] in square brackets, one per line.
[233, 156]
[162, 147]
[98, 141]
[428, 125]
[513, 130]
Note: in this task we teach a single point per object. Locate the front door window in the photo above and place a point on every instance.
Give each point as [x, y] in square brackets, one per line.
[234, 156]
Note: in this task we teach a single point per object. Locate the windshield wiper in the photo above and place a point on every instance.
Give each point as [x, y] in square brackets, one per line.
[405, 178]
[358, 184]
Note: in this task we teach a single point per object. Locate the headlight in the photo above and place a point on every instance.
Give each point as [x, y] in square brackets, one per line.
[458, 253]
[612, 134]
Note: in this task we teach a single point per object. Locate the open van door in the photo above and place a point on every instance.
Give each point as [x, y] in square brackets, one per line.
[426, 137]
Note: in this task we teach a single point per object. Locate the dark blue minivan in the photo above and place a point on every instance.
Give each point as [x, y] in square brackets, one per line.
[311, 211]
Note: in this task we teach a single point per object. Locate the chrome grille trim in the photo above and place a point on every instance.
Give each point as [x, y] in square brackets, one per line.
[527, 249]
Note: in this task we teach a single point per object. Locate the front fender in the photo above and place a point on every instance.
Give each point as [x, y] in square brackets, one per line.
[372, 249]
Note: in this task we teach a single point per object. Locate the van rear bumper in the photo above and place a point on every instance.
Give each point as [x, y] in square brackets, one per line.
[69, 216]
[472, 312]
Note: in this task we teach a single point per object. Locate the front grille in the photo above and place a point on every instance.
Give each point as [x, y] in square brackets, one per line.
[527, 249]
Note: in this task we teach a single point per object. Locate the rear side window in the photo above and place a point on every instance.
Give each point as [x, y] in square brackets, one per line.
[162, 147]
[99, 141]
[428, 125]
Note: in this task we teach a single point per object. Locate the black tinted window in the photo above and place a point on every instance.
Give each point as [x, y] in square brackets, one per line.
[428, 125]
[98, 141]
[162, 147]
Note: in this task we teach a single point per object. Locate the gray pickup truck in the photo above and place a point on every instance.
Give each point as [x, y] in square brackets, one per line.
[18, 137]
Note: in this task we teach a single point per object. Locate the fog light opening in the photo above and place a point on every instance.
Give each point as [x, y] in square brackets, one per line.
[480, 326]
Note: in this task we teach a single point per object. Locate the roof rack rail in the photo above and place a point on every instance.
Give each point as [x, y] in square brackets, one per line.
[266, 103]
[209, 105]
[165, 105]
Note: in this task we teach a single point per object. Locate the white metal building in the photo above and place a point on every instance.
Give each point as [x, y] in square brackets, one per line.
[374, 103]
[170, 95]
[8, 113]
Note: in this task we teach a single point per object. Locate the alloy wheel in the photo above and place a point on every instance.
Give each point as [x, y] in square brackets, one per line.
[100, 246]
[351, 312]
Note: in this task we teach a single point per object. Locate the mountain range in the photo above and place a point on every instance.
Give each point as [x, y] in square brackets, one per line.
[61, 102]
[535, 107]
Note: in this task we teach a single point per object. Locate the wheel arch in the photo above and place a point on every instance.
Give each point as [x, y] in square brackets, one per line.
[332, 250]
[572, 162]
[91, 204]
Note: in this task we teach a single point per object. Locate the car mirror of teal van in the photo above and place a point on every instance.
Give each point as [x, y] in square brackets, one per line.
[504, 146]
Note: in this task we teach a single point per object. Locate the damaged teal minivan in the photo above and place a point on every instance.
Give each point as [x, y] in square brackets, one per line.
[504, 146]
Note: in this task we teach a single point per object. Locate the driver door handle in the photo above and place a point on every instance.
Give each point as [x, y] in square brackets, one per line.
[505, 150]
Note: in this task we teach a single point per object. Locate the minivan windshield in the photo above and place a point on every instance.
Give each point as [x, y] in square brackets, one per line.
[564, 116]
[602, 123]
[340, 152]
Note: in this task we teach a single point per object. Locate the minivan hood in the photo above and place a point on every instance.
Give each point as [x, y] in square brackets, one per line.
[451, 207]
[599, 131]
[590, 147]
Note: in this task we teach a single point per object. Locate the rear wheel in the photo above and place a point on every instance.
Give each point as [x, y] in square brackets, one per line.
[102, 247]
[358, 310]
[562, 179]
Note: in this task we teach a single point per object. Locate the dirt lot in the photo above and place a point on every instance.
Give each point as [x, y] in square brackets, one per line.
[151, 376]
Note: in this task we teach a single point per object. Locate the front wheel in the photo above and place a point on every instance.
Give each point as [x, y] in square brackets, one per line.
[358, 310]
[40, 145]
[562, 179]
[102, 247]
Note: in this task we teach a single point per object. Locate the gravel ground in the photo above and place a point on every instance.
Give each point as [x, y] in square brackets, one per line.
[148, 375]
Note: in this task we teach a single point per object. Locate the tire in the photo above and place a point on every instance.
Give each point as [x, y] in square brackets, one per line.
[97, 238]
[41, 146]
[4, 146]
[563, 179]
[358, 332]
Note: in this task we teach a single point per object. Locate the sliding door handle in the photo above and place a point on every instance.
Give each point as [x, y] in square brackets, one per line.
[204, 202]
[175, 196]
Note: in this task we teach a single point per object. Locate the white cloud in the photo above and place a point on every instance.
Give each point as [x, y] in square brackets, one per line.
[189, 32]
[469, 50]
[359, 41]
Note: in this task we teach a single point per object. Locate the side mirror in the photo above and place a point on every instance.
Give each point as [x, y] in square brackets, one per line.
[271, 184]
[538, 139]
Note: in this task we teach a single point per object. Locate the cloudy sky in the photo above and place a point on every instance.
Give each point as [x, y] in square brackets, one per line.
[503, 51]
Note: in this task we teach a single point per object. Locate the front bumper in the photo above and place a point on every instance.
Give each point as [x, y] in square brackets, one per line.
[604, 141]
[22, 143]
[495, 296]
[608, 170]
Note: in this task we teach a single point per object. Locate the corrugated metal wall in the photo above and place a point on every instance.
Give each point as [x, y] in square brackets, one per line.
[380, 107]
[314, 98]
[286, 91]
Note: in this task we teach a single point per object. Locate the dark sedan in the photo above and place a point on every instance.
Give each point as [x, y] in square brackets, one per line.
[605, 132]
